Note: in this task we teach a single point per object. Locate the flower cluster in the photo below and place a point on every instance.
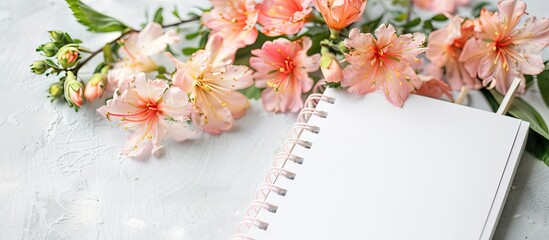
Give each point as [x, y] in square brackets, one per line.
[282, 50]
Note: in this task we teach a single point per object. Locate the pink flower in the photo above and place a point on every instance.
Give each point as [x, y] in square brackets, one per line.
[383, 62]
[136, 53]
[340, 13]
[444, 50]
[283, 67]
[440, 6]
[505, 49]
[152, 110]
[210, 79]
[434, 88]
[281, 17]
[235, 20]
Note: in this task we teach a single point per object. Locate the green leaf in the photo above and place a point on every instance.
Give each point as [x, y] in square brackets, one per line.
[529, 80]
[170, 50]
[538, 141]
[538, 146]
[203, 40]
[401, 17]
[479, 6]
[543, 84]
[333, 85]
[101, 67]
[251, 92]
[95, 21]
[158, 18]
[243, 55]
[428, 25]
[189, 51]
[439, 18]
[107, 53]
[370, 26]
[175, 13]
[414, 22]
[522, 110]
[192, 36]
[51, 64]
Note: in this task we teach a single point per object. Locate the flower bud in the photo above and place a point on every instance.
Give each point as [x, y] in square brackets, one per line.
[55, 90]
[68, 56]
[57, 36]
[39, 67]
[73, 90]
[342, 48]
[49, 49]
[95, 87]
[330, 68]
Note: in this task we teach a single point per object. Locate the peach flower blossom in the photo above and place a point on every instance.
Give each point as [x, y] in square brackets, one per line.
[434, 88]
[504, 48]
[281, 17]
[152, 110]
[136, 53]
[283, 67]
[384, 62]
[340, 13]
[210, 79]
[440, 6]
[444, 49]
[235, 20]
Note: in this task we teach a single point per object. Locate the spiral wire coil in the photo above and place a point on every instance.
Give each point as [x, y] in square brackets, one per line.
[277, 170]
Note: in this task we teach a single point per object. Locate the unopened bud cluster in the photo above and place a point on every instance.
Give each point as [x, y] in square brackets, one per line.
[64, 51]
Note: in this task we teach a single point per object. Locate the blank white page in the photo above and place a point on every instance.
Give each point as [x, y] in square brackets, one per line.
[429, 170]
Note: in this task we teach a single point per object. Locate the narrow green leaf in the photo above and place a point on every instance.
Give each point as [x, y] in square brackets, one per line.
[522, 110]
[193, 15]
[94, 20]
[189, 51]
[401, 17]
[101, 67]
[414, 22]
[203, 41]
[370, 26]
[478, 7]
[333, 85]
[170, 50]
[529, 80]
[251, 92]
[428, 25]
[158, 18]
[439, 18]
[543, 84]
[175, 13]
[538, 146]
[192, 36]
[51, 64]
[107, 53]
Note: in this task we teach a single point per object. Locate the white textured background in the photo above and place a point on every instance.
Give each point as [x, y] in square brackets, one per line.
[62, 175]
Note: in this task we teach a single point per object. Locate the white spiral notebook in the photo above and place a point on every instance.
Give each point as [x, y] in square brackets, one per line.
[356, 167]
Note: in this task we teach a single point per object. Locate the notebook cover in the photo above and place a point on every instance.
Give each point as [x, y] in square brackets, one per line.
[431, 170]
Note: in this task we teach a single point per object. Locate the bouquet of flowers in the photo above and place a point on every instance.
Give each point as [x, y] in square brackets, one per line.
[283, 50]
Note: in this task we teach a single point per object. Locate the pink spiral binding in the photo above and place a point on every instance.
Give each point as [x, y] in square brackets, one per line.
[281, 159]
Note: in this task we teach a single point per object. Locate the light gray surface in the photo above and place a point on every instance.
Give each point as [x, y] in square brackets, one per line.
[62, 176]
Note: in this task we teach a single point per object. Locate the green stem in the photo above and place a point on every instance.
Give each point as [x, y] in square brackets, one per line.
[410, 9]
